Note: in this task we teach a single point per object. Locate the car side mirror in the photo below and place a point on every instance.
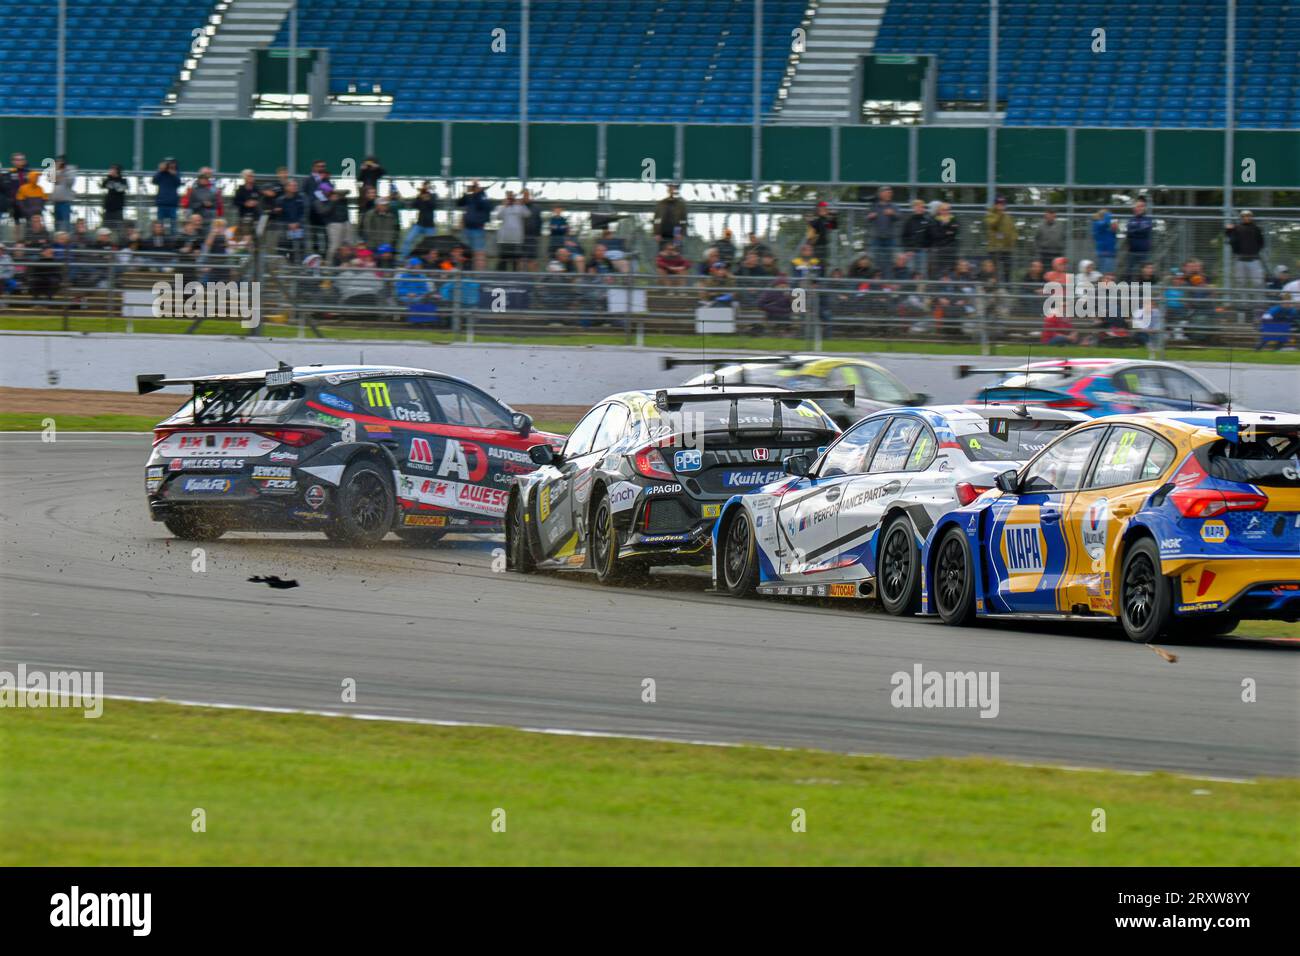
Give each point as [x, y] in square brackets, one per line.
[921, 398]
[1009, 482]
[522, 423]
[1220, 398]
[798, 465]
[542, 454]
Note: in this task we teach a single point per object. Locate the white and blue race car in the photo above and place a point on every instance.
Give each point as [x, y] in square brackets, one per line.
[851, 524]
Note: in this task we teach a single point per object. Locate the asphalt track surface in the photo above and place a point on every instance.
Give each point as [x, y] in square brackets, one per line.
[90, 583]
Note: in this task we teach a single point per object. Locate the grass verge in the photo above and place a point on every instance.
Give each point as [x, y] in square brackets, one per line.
[291, 789]
[717, 343]
[34, 422]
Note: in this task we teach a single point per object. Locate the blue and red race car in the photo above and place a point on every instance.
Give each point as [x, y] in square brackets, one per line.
[1098, 386]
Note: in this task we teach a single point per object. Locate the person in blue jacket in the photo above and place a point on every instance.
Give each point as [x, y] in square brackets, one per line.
[168, 182]
[1104, 227]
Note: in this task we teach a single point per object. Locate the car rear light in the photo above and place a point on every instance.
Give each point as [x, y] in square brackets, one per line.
[1072, 404]
[966, 492]
[160, 434]
[651, 464]
[294, 437]
[1194, 501]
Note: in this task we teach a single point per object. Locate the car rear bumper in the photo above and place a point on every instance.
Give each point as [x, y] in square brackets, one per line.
[1262, 589]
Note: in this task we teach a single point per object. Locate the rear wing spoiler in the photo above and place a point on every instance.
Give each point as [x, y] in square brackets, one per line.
[668, 399]
[964, 371]
[153, 382]
[671, 361]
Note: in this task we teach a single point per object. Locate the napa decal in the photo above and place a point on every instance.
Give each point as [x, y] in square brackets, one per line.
[1214, 532]
[1022, 545]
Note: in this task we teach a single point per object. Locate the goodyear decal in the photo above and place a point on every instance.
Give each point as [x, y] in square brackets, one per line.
[712, 511]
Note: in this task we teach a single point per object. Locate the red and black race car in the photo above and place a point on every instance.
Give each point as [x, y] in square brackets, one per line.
[351, 451]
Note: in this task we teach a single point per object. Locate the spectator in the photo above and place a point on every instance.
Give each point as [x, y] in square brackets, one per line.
[916, 236]
[882, 225]
[1138, 231]
[477, 213]
[203, 197]
[273, 190]
[1105, 229]
[672, 264]
[168, 183]
[1088, 271]
[425, 205]
[115, 187]
[944, 240]
[863, 268]
[45, 275]
[290, 217]
[1277, 325]
[63, 195]
[31, 199]
[557, 229]
[776, 305]
[316, 188]
[415, 288]
[369, 174]
[718, 287]
[757, 246]
[366, 197]
[336, 217]
[706, 264]
[380, 226]
[8, 275]
[533, 231]
[1247, 242]
[726, 247]
[669, 220]
[358, 285]
[1281, 276]
[1000, 237]
[248, 198]
[511, 232]
[1049, 237]
[11, 181]
[806, 268]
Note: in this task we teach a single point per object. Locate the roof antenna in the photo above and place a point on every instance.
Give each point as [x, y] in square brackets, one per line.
[1230, 353]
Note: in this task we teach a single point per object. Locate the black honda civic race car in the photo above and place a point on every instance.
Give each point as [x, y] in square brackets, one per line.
[642, 477]
[350, 451]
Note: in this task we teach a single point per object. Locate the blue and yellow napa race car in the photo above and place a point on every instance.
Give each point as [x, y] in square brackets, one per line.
[1163, 521]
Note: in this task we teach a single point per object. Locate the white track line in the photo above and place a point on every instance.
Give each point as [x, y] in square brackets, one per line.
[613, 735]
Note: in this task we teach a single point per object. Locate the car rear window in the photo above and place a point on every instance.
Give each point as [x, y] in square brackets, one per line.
[1271, 459]
[1025, 439]
[751, 415]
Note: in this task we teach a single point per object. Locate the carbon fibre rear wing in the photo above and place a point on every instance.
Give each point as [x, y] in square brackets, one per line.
[671, 400]
[672, 361]
[153, 382]
[964, 371]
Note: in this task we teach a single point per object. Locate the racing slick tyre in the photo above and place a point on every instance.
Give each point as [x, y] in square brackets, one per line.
[421, 537]
[603, 544]
[954, 579]
[898, 569]
[519, 550]
[363, 506]
[195, 527]
[739, 556]
[1145, 595]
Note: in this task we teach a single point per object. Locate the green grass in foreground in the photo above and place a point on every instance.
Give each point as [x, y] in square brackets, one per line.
[716, 343]
[32, 422]
[290, 789]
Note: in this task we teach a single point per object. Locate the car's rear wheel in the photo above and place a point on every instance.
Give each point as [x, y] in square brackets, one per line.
[898, 569]
[194, 526]
[364, 506]
[1145, 595]
[739, 556]
[954, 579]
[603, 545]
[519, 550]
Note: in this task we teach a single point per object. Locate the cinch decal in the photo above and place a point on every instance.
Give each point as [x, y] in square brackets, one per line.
[377, 394]
[1024, 548]
[1214, 532]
